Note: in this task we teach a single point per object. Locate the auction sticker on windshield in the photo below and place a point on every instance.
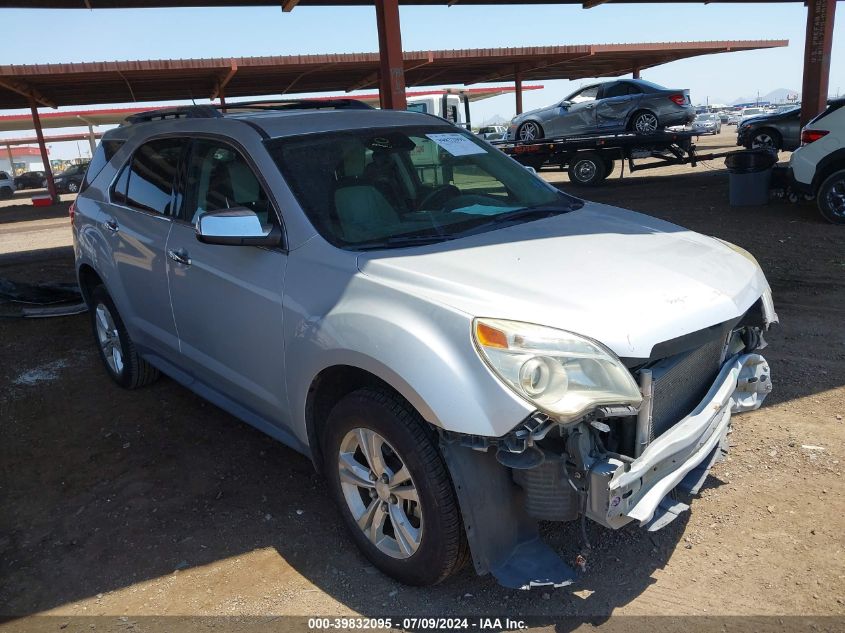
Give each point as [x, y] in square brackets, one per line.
[456, 144]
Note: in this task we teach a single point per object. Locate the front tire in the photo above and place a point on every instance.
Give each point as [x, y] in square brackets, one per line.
[392, 487]
[645, 122]
[117, 351]
[72, 187]
[766, 139]
[529, 131]
[831, 198]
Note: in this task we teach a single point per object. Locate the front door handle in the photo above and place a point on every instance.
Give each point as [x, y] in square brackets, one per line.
[180, 257]
[111, 225]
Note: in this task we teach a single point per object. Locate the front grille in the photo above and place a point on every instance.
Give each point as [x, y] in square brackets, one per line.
[680, 382]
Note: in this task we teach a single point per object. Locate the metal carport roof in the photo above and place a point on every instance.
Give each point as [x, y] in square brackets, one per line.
[168, 79]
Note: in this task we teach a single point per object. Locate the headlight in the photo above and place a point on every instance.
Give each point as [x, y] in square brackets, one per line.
[563, 374]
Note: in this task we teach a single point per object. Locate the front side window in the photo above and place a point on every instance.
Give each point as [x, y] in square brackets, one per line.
[219, 178]
[399, 186]
[152, 176]
[587, 94]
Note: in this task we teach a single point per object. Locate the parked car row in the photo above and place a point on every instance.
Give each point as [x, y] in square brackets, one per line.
[67, 181]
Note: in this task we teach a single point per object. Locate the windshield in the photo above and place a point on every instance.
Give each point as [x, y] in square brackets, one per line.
[706, 117]
[394, 187]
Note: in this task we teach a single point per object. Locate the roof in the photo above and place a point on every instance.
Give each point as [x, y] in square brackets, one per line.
[281, 123]
[172, 79]
[114, 116]
[289, 4]
[58, 138]
[18, 152]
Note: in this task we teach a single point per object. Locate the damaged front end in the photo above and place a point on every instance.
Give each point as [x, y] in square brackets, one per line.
[616, 464]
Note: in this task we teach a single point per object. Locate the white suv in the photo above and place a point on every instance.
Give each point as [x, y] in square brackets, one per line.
[7, 185]
[818, 166]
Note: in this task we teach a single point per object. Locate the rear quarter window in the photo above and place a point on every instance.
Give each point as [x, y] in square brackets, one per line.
[102, 155]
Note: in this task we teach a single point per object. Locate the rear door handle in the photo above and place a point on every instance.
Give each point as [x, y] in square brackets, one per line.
[180, 257]
[111, 225]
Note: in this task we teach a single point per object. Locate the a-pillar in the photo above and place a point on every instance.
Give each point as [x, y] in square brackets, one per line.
[45, 158]
[635, 71]
[391, 67]
[817, 47]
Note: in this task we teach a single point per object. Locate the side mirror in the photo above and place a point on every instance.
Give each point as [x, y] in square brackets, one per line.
[238, 226]
[565, 104]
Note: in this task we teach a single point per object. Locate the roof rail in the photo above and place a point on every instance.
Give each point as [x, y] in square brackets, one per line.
[297, 104]
[214, 111]
[177, 112]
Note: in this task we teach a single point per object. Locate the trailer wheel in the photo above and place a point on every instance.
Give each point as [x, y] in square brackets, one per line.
[587, 168]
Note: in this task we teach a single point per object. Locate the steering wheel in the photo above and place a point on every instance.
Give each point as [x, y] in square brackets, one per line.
[443, 191]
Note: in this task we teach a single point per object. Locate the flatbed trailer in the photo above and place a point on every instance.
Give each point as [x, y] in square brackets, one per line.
[590, 159]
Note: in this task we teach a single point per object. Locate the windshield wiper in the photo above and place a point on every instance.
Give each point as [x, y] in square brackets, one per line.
[526, 214]
[534, 213]
[398, 241]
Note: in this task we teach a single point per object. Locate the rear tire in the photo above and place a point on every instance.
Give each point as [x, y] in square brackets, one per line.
[587, 168]
[645, 122]
[117, 351]
[397, 499]
[831, 198]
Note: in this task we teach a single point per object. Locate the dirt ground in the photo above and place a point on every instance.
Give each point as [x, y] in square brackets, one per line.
[153, 502]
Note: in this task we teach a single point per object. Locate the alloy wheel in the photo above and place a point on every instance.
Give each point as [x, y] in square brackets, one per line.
[73, 187]
[380, 493]
[762, 140]
[835, 199]
[646, 123]
[109, 339]
[529, 131]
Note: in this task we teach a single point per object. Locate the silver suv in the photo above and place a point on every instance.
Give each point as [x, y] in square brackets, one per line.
[462, 349]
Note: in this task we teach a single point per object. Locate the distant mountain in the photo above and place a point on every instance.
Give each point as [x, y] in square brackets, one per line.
[775, 96]
[496, 119]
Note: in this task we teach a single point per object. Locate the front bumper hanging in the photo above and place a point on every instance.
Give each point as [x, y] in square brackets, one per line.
[504, 538]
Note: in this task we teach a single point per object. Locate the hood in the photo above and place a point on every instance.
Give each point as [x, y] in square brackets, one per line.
[776, 116]
[622, 278]
[520, 117]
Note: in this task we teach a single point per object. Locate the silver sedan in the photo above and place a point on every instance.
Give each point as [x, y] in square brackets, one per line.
[613, 106]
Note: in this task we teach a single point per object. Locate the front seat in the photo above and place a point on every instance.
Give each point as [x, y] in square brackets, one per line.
[363, 213]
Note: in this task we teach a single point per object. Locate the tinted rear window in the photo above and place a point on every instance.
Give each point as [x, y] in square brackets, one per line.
[102, 155]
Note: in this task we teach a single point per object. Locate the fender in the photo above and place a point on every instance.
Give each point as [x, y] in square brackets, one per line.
[827, 165]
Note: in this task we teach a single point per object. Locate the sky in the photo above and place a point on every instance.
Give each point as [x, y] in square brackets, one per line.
[54, 36]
